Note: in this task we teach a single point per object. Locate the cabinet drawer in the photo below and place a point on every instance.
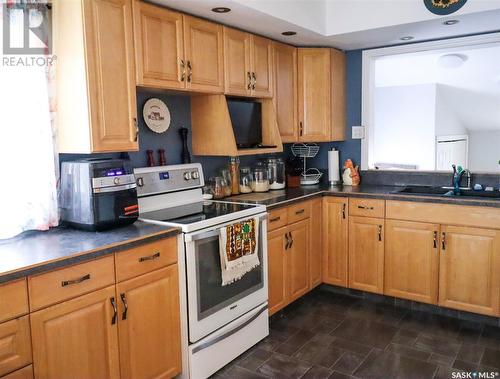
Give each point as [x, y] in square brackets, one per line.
[145, 258]
[15, 344]
[277, 219]
[66, 283]
[299, 211]
[24, 373]
[367, 207]
[13, 299]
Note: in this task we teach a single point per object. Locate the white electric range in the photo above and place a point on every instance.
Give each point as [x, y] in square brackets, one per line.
[218, 322]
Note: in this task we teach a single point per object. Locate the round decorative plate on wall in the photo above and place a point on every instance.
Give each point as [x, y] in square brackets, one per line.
[156, 115]
[444, 7]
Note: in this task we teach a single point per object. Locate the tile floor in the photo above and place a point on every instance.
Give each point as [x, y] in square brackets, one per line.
[328, 335]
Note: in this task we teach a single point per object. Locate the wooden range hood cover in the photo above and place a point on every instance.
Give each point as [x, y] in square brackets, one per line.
[213, 132]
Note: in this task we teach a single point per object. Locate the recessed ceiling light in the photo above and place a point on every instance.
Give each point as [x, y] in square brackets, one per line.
[452, 60]
[407, 38]
[451, 22]
[289, 33]
[221, 10]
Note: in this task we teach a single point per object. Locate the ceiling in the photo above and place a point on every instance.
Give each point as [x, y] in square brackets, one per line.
[345, 24]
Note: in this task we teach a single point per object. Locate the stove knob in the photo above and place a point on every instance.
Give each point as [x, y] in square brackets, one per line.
[116, 181]
[195, 175]
[140, 182]
[187, 175]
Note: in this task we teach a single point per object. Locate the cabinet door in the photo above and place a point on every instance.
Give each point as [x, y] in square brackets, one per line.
[149, 325]
[316, 243]
[335, 240]
[237, 62]
[111, 74]
[366, 254]
[159, 49]
[285, 95]
[469, 270]
[278, 270]
[314, 94]
[262, 67]
[298, 259]
[15, 344]
[204, 53]
[412, 260]
[77, 338]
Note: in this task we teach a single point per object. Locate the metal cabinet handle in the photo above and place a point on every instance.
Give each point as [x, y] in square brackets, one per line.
[254, 77]
[150, 257]
[343, 210]
[65, 283]
[115, 310]
[380, 232]
[136, 138]
[365, 207]
[183, 74]
[125, 306]
[274, 219]
[249, 76]
[291, 240]
[190, 68]
[301, 129]
[435, 239]
[443, 241]
[300, 212]
[287, 240]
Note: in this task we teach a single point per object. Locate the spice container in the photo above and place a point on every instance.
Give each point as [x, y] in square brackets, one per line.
[226, 174]
[261, 179]
[234, 168]
[246, 180]
[276, 169]
[218, 187]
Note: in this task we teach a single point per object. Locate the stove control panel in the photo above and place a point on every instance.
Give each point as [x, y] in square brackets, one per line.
[163, 179]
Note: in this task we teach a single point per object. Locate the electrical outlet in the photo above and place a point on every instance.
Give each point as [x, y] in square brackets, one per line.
[358, 132]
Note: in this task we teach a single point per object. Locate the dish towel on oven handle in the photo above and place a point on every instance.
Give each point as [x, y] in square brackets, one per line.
[238, 247]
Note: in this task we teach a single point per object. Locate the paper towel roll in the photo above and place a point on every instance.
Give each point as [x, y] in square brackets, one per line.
[333, 167]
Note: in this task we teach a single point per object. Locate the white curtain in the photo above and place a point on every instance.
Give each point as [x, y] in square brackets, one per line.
[27, 149]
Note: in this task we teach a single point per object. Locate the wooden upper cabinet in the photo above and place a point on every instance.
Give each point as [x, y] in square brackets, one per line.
[335, 240]
[77, 338]
[278, 270]
[469, 270]
[285, 93]
[95, 81]
[316, 243]
[159, 47]
[149, 325]
[238, 76]
[298, 258]
[262, 67]
[366, 254]
[412, 260]
[204, 55]
[321, 101]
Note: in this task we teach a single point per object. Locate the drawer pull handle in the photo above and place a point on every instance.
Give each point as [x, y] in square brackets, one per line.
[291, 241]
[380, 233]
[274, 219]
[65, 283]
[435, 239]
[443, 241]
[300, 212]
[125, 306]
[149, 257]
[343, 211]
[365, 207]
[287, 241]
[115, 311]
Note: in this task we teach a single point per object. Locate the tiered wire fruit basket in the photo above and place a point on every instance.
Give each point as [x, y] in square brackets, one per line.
[309, 176]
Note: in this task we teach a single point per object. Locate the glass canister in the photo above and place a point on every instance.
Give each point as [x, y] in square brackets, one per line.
[219, 186]
[234, 169]
[261, 178]
[246, 180]
[226, 174]
[276, 169]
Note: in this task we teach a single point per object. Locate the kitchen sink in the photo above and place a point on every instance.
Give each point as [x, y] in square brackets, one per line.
[441, 191]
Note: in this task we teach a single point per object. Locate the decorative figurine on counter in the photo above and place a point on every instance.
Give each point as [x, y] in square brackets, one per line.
[151, 159]
[185, 156]
[350, 177]
[161, 157]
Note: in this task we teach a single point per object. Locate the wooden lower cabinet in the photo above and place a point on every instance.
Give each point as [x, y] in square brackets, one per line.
[77, 338]
[23, 373]
[298, 253]
[469, 271]
[277, 271]
[366, 254]
[149, 325]
[316, 243]
[411, 260]
[335, 241]
[15, 344]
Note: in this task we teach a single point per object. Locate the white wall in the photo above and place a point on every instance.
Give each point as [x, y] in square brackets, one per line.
[484, 151]
[447, 121]
[404, 126]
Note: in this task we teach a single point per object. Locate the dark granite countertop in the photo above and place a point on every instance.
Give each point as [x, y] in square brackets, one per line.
[34, 252]
[292, 195]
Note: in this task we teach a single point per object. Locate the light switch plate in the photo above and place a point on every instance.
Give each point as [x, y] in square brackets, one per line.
[358, 132]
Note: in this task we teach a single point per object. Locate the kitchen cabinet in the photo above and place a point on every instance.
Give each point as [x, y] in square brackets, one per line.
[78, 336]
[249, 64]
[15, 345]
[23, 373]
[321, 95]
[316, 243]
[469, 269]
[335, 240]
[285, 91]
[149, 325]
[298, 251]
[412, 260]
[13, 299]
[95, 83]
[277, 245]
[366, 254]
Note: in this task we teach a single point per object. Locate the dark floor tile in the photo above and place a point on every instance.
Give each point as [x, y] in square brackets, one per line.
[490, 337]
[339, 375]
[444, 372]
[382, 364]
[280, 366]
[322, 339]
[405, 337]
[280, 335]
[242, 373]
[287, 349]
[318, 355]
[408, 351]
[491, 357]
[434, 344]
[464, 366]
[348, 362]
[326, 326]
[469, 332]
[366, 332]
[317, 372]
[441, 360]
[435, 324]
[268, 344]
[255, 360]
[392, 315]
[355, 347]
[470, 353]
[300, 338]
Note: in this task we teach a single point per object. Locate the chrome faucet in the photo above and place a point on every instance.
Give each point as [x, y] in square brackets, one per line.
[457, 179]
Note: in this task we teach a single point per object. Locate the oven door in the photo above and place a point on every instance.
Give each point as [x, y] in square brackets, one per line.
[211, 305]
